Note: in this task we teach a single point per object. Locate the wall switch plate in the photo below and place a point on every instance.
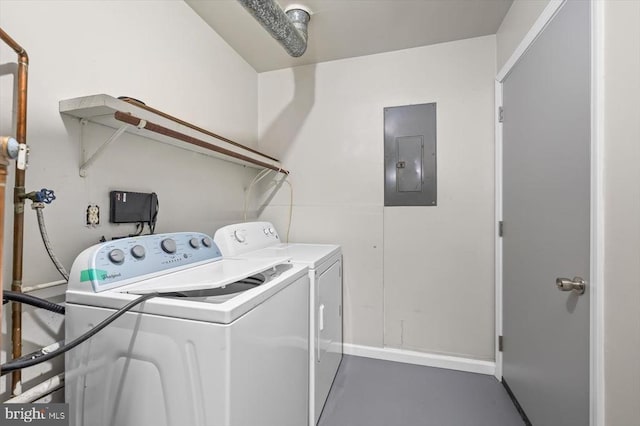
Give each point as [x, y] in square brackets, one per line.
[93, 215]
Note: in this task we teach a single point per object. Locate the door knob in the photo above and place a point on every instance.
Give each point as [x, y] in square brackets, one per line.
[577, 284]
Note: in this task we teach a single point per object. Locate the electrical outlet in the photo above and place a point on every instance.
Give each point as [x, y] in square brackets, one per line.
[93, 215]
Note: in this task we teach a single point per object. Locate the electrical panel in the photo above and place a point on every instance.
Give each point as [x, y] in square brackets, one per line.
[410, 177]
[132, 207]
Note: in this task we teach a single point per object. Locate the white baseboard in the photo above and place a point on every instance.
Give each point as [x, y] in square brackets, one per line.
[421, 358]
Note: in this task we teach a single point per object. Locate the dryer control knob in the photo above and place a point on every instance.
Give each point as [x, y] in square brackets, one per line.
[116, 256]
[206, 241]
[194, 243]
[239, 237]
[168, 245]
[138, 251]
[271, 231]
[266, 231]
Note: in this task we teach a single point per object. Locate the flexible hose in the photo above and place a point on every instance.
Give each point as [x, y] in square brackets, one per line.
[42, 351]
[290, 207]
[14, 296]
[47, 243]
[257, 178]
[24, 363]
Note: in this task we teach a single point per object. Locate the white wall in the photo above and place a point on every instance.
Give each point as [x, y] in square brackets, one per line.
[158, 51]
[418, 278]
[622, 212]
[515, 25]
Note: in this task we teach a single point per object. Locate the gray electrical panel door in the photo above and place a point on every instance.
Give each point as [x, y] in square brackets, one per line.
[410, 155]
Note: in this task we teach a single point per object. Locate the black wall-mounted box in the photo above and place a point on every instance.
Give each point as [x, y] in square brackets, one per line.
[132, 207]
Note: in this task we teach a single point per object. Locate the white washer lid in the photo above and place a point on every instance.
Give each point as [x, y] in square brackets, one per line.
[311, 255]
[187, 308]
[209, 275]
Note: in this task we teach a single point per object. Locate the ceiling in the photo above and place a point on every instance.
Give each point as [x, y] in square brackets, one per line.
[348, 28]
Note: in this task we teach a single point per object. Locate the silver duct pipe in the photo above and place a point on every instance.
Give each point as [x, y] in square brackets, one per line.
[290, 28]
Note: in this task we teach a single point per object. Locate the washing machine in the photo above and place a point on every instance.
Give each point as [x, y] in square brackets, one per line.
[224, 343]
[260, 240]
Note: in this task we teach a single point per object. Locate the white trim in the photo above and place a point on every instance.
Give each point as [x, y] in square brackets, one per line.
[498, 218]
[421, 358]
[541, 23]
[596, 341]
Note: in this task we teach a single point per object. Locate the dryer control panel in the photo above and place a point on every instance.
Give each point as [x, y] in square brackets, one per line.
[121, 262]
[241, 238]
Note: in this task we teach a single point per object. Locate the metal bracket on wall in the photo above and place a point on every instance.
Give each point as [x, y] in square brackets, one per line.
[88, 160]
[157, 126]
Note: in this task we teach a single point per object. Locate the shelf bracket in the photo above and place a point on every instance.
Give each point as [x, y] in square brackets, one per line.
[123, 116]
[88, 160]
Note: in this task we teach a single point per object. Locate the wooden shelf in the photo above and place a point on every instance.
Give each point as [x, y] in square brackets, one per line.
[130, 116]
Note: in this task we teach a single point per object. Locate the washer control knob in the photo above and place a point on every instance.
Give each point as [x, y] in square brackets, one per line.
[168, 245]
[116, 256]
[266, 231]
[271, 231]
[137, 251]
[194, 243]
[239, 237]
[206, 241]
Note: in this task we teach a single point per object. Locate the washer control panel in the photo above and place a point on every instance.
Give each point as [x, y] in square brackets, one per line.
[240, 238]
[121, 262]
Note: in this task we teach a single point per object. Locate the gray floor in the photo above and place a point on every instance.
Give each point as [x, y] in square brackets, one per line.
[370, 392]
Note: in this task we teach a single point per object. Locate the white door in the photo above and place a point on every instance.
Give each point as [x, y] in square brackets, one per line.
[546, 212]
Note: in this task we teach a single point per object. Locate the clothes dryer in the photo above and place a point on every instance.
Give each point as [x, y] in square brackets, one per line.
[260, 240]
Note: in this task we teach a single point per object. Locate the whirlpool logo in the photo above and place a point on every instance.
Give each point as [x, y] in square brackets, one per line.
[37, 414]
[107, 276]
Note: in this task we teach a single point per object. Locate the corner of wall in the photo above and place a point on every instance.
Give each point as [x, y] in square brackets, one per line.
[515, 25]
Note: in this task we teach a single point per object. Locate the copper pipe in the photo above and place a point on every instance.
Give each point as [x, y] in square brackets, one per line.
[156, 128]
[192, 126]
[18, 201]
[7, 152]
[3, 184]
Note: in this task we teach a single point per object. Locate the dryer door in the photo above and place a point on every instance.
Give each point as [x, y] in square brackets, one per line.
[328, 331]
